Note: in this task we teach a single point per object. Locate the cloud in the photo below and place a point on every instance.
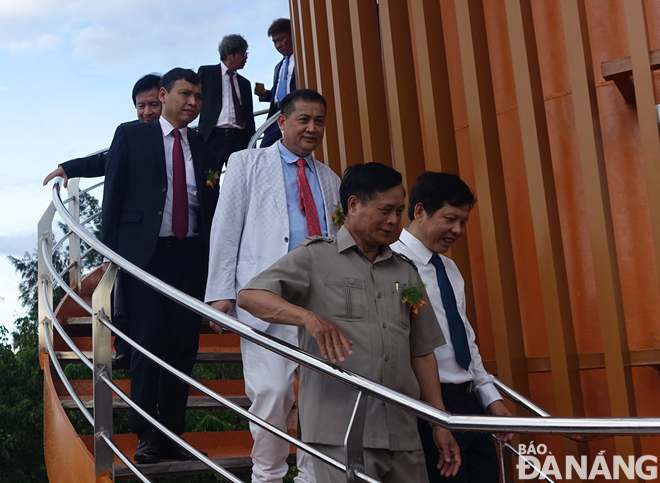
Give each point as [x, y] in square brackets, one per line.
[42, 42]
[17, 245]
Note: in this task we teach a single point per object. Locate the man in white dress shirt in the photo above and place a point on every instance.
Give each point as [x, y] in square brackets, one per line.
[440, 205]
[271, 199]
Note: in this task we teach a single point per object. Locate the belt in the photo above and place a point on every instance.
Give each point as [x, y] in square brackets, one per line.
[460, 389]
[229, 131]
[172, 241]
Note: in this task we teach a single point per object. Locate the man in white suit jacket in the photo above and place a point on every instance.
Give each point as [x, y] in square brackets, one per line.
[261, 215]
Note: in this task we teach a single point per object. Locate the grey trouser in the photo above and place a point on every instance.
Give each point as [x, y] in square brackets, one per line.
[384, 465]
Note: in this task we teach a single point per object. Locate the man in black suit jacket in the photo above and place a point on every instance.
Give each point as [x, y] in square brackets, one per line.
[157, 212]
[227, 119]
[147, 104]
[284, 78]
[145, 100]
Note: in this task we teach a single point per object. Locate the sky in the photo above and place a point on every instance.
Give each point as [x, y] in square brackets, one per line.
[68, 68]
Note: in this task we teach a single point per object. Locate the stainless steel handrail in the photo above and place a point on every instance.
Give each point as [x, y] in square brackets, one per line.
[520, 400]
[230, 405]
[614, 426]
[69, 387]
[267, 123]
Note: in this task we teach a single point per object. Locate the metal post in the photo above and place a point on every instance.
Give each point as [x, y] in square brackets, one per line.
[74, 240]
[102, 359]
[502, 469]
[354, 441]
[45, 234]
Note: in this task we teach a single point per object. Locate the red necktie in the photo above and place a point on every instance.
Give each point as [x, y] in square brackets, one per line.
[307, 205]
[234, 96]
[179, 189]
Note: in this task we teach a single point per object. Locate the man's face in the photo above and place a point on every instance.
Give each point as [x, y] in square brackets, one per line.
[377, 222]
[182, 104]
[440, 231]
[302, 131]
[236, 61]
[148, 106]
[283, 43]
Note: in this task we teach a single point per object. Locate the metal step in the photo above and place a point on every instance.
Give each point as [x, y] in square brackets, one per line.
[232, 389]
[229, 449]
[212, 348]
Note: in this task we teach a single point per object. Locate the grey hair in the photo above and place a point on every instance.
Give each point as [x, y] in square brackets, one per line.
[232, 44]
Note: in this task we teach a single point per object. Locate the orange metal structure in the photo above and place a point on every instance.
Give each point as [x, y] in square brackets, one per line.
[562, 252]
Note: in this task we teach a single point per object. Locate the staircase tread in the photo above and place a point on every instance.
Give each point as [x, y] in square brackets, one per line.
[232, 389]
[229, 449]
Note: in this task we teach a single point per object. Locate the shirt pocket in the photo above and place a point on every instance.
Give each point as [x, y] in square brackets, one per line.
[346, 298]
[401, 309]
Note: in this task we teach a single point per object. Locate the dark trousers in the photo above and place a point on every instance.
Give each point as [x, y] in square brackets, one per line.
[224, 142]
[166, 329]
[478, 455]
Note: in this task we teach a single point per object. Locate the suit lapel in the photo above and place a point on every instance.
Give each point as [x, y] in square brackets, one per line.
[326, 189]
[195, 152]
[158, 147]
[219, 84]
[275, 169]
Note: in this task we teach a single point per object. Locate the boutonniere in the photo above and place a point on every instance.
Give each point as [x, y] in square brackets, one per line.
[412, 296]
[338, 216]
[211, 177]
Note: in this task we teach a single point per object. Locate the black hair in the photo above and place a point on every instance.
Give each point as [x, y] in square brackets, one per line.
[433, 190]
[177, 73]
[365, 181]
[232, 44]
[280, 26]
[145, 83]
[288, 104]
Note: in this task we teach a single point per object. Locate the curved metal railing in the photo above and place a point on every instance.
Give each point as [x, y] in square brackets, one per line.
[103, 328]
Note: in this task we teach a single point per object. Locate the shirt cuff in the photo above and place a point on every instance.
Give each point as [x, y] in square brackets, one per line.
[488, 394]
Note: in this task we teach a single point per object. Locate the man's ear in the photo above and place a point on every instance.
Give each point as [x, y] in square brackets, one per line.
[281, 120]
[161, 94]
[419, 212]
[352, 202]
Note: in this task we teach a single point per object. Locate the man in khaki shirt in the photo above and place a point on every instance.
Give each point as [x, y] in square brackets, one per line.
[346, 292]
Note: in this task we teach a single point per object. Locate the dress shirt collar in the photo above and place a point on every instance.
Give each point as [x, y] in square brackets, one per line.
[345, 241]
[167, 129]
[291, 158]
[224, 68]
[416, 246]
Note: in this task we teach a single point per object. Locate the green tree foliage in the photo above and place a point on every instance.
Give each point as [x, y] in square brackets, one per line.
[21, 378]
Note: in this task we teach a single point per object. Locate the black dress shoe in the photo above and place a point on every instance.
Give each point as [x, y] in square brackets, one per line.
[172, 451]
[122, 361]
[147, 451]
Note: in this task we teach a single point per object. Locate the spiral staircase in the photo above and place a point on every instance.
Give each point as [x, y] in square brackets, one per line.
[79, 331]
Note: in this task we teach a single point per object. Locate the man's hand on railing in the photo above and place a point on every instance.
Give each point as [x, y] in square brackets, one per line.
[223, 306]
[450, 453]
[497, 408]
[58, 172]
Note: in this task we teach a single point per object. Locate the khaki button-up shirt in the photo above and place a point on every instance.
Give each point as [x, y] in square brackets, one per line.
[333, 278]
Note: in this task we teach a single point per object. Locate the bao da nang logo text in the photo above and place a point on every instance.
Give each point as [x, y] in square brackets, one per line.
[538, 462]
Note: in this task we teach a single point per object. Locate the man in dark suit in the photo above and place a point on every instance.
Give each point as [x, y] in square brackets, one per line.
[284, 79]
[145, 100]
[227, 120]
[157, 212]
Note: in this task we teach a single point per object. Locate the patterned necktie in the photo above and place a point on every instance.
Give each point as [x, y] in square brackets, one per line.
[456, 325]
[179, 189]
[234, 96]
[281, 83]
[307, 205]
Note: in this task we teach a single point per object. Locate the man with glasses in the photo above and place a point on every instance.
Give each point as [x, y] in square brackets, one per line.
[227, 121]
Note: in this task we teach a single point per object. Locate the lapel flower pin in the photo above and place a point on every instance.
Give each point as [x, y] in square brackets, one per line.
[338, 215]
[211, 177]
[412, 296]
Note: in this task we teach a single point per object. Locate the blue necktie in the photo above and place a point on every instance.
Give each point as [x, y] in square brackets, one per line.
[456, 326]
[281, 83]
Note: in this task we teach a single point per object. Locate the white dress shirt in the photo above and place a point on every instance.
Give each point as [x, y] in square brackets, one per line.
[227, 117]
[289, 75]
[449, 370]
[191, 184]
